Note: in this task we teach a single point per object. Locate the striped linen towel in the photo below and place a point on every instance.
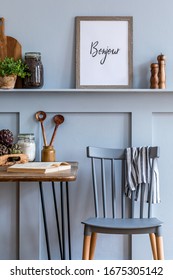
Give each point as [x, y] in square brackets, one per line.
[138, 171]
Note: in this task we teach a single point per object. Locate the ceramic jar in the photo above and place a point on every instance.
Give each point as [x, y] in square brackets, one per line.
[48, 154]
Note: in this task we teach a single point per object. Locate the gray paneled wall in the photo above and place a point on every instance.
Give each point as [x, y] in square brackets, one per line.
[29, 27]
[109, 118]
[99, 118]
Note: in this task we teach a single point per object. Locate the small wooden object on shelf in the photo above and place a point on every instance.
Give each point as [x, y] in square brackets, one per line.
[9, 47]
[162, 71]
[154, 80]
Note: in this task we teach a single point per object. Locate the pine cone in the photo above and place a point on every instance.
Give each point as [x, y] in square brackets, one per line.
[3, 150]
[6, 137]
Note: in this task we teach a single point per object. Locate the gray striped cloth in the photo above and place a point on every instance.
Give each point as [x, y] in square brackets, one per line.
[138, 171]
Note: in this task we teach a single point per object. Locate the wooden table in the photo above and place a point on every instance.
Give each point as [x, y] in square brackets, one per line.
[64, 177]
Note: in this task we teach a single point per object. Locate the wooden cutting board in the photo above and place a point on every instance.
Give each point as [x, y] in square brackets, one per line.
[10, 47]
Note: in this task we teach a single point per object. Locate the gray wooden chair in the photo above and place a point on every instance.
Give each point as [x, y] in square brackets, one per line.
[105, 219]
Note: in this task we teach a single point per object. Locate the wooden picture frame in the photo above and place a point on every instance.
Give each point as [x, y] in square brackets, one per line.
[104, 52]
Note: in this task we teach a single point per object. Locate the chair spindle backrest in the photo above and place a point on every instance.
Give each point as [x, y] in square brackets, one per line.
[100, 183]
[108, 199]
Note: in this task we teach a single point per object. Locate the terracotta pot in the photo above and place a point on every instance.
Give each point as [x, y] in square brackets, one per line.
[8, 82]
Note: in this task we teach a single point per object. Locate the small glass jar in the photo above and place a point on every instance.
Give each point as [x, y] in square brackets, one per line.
[48, 154]
[36, 80]
[27, 143]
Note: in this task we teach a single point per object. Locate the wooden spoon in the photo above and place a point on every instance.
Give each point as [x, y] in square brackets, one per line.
[58, 119]
[41, 116]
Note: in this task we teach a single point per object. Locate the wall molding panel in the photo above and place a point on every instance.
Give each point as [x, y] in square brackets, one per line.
[113, 118]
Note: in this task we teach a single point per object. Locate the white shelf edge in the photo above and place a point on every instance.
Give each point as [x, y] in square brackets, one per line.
[74, 90]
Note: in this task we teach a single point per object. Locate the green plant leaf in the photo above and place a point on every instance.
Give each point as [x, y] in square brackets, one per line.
[9, 66]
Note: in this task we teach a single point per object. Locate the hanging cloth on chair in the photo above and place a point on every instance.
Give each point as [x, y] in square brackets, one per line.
[138, 171]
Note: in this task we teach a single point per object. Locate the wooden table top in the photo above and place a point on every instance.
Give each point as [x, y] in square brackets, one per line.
[60, 176]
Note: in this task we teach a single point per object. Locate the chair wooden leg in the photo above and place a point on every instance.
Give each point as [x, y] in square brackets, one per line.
[86, 247]
[92, 245]
[153, 245]
[160, 250]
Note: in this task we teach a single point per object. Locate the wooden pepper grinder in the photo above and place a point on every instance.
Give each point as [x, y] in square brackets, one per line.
[154, 80]
[162, 71]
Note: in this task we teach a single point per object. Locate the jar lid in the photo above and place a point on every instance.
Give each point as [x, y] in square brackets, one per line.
[26, 135]
[33, 54]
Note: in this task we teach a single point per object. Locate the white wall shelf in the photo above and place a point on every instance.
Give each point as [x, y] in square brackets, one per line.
[75, 90]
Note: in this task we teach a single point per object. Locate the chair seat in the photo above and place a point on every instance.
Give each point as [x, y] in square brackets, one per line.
[121, 225]
[115, 175]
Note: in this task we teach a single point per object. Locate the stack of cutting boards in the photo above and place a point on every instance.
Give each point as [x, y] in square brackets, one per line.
[10, 47]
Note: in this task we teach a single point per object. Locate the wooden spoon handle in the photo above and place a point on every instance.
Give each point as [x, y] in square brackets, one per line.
[53, 135]
[44, 134]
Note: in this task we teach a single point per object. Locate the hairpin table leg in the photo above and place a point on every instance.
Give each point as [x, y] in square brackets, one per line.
[44, 219]
[68, 221]
[57, 220]
[62, 222]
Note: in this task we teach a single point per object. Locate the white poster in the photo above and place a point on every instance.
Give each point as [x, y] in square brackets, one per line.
[104, 52]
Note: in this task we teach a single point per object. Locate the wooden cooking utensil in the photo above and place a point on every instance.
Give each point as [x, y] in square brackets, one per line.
[10, 47]
[58, 119]
[41, 116]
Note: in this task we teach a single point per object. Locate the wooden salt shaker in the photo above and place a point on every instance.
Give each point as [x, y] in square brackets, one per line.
[154, 80]
[162, 71]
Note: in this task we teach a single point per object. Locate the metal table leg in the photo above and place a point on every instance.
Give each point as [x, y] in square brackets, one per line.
[57, 220]
[18, 222]
[63, 221]
[44, 220]
[61, 236]
[68, 221]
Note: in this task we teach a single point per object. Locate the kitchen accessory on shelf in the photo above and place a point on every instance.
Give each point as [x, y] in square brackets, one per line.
[36, 79]
[158, 73]
[162, 71]
[58, 119]
[41, 116]
[9, 47]
[154, 80]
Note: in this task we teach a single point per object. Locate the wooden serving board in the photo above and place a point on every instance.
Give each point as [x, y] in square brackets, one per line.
[13, 158]
[10, 47]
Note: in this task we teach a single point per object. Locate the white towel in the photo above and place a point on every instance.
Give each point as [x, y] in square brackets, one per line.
[138, 170]
[155, 183]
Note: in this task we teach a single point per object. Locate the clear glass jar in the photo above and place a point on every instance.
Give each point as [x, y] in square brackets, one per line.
[27, 143]
[36, 80]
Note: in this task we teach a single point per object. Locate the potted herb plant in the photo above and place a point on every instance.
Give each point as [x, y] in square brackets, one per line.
[10, 69]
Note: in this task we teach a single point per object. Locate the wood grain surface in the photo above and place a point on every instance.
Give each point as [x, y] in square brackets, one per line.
[9, 47]
[60, 176]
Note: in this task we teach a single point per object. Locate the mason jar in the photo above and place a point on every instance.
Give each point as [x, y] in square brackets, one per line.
[35, 67]
[27, 143]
